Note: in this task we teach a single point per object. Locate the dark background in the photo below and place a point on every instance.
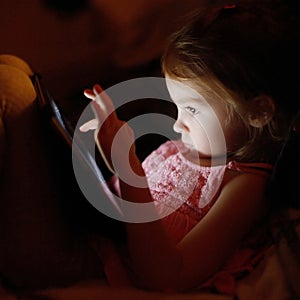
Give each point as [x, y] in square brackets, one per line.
[74, 44]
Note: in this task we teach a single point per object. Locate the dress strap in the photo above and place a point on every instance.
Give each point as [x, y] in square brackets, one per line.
[263, 169]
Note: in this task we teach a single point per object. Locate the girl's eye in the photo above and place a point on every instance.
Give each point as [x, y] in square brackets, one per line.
[191, 109]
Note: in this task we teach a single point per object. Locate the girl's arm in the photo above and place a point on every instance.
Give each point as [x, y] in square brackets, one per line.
[160, 264]
[157, 262]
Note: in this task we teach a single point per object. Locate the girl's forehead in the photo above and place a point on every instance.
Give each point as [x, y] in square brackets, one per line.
[180, 90]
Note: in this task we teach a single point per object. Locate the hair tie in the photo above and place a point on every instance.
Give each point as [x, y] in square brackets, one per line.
[229, 6]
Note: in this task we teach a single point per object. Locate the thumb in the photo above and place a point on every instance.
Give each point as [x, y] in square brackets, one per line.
[90, 125]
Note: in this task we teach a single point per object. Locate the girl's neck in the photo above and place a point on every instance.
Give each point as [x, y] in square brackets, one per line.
[204, 160]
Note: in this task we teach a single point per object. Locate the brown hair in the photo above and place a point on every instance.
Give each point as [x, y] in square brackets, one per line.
[240, 52]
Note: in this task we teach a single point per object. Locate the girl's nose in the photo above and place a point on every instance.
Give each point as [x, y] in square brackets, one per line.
[179, 127]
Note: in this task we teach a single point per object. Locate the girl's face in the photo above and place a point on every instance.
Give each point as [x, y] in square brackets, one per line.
[202, 122]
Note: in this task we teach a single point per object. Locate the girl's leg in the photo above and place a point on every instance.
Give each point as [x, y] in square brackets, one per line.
[37, 248]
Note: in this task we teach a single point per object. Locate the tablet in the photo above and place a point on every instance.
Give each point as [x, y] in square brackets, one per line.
[52, 112]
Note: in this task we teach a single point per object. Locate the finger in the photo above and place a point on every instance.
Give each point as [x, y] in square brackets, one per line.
[99, 113]
[104, 101]
[97, 89]
[104, 97]
[90, 125]
[89, 94]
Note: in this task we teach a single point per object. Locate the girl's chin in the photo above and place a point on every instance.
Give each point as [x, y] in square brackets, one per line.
[200, 153]
[188, 144]
[190, 147]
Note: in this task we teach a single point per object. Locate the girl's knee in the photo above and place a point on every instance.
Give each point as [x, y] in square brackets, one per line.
[16, 89]
[17, 62]
[16, 93]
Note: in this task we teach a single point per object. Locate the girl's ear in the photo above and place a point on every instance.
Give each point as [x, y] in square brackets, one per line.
[262, 110]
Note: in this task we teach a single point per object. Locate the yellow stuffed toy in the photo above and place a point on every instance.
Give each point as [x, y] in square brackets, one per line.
[37, 247]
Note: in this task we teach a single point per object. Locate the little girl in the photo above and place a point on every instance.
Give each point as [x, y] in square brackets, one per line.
[233, 63]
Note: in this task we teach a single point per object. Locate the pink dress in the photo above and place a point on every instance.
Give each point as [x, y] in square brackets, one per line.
[189, 191]
[178, 184]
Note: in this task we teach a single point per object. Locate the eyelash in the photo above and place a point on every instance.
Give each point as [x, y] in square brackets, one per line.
[191, 109]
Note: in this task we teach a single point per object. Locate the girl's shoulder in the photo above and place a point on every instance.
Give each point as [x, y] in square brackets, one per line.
[250, 171]
[257, 168]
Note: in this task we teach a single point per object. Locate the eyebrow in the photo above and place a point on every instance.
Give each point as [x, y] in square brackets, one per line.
[183, 101]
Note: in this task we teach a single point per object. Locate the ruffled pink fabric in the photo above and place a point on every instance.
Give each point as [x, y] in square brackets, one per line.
[183, 193]
[187, 191]
[181, 187]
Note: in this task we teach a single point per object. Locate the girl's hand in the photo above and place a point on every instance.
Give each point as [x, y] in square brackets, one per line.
[113, 137]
